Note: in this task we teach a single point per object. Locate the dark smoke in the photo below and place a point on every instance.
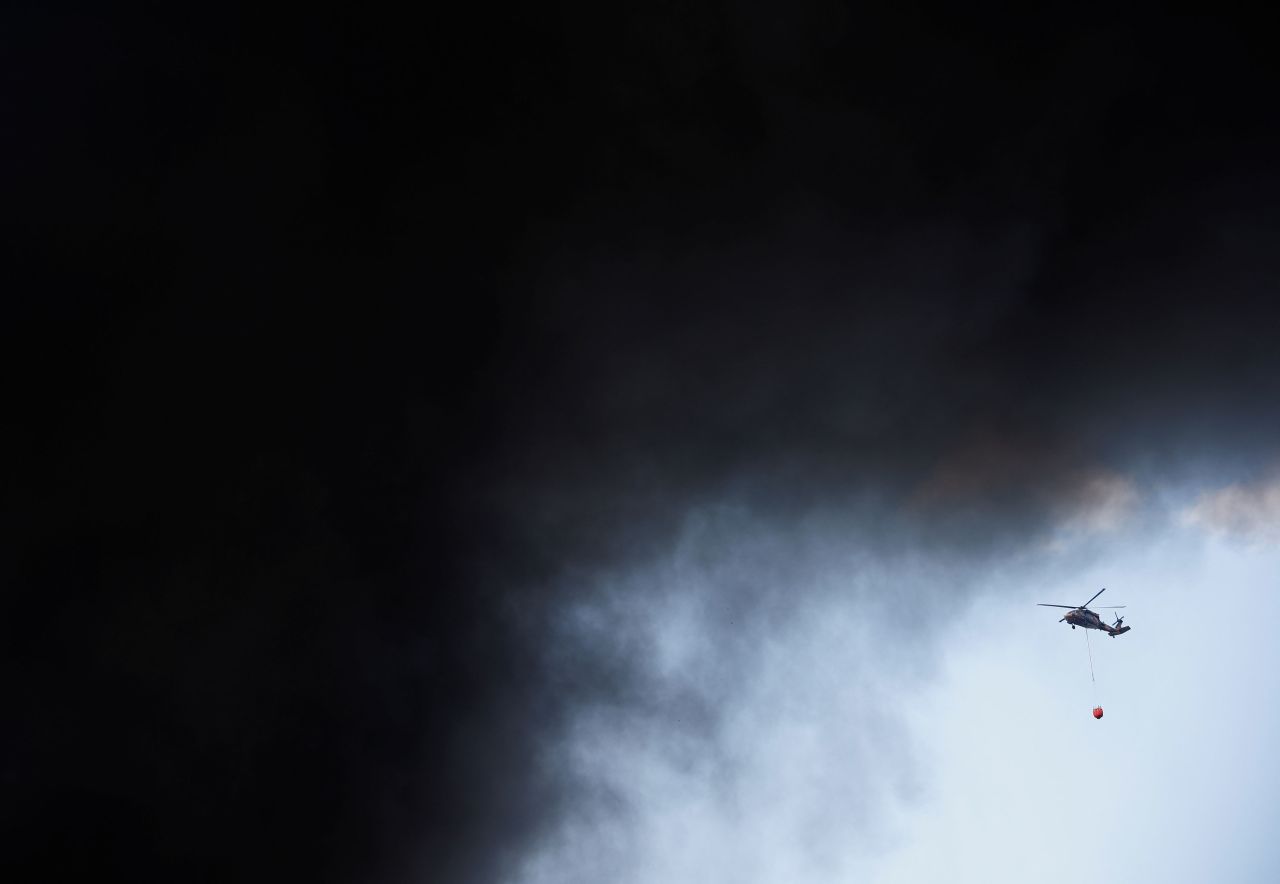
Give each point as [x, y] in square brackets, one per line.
[353, 359]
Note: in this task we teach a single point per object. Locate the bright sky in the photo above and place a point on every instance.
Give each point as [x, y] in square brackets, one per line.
[1179, 781]
[855, 732]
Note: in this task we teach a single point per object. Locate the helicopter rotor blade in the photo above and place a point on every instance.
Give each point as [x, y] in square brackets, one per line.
[1095, 595]
[1110, 607]
[1043, 605]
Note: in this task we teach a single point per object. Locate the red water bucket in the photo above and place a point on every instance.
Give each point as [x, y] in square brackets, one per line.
[1097, 711]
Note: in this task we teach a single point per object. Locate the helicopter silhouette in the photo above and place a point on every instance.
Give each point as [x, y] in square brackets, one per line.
[1080, 615]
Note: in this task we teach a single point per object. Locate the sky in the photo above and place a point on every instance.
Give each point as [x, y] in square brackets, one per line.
[972, 755]
[1180, 785]
[629, 444]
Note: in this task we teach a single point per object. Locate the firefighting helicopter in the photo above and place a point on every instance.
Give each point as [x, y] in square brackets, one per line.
[1082, 616]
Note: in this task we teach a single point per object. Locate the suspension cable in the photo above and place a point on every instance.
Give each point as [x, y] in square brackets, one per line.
[1089, 647]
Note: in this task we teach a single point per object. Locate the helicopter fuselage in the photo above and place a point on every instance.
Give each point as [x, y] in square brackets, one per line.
[1087, 619]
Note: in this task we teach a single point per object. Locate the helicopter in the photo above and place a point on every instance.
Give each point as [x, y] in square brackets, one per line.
[1082, 616]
